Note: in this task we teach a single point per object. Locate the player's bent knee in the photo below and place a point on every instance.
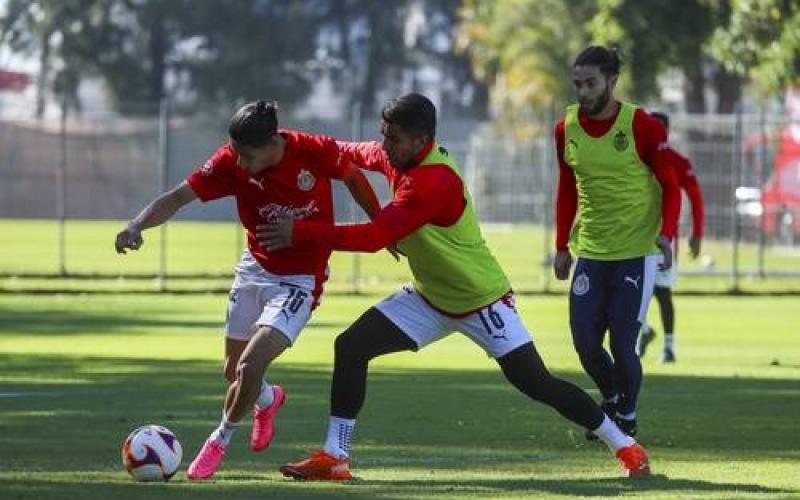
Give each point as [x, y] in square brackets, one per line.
[347, 346]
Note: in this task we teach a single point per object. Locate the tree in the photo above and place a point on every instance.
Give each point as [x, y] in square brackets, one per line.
[523, 50]
[218, 51]
[135, 44]
[659, 34]
[250, 48]
[65, 34]
[761, 41]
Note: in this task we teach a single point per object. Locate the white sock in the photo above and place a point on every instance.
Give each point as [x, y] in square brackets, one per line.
[224, 432]
[340, 432]
[266, 396]
[669, 341]
[612, 435]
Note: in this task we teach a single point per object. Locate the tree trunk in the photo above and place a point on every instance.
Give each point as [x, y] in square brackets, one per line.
[44, 74]
[694, 88]
[342, 14]
[158, 57]
[729, 90]
[370, 84]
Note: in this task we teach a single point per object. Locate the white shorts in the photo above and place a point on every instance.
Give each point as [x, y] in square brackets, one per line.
[668, 278]
[497, 328]
[260, 298]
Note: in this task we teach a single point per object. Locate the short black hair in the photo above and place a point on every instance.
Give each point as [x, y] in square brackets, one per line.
[414, 113]
[254, 124]
[607, 59]
[662, 117]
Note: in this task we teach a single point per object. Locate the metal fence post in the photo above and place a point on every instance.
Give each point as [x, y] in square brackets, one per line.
[61, 197]
[356, 132]
[548, 212]
[762, 163]
[163, 171]
[736, 234]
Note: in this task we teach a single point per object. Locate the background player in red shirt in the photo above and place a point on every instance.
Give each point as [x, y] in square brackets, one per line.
[666, 279]
[271, 173]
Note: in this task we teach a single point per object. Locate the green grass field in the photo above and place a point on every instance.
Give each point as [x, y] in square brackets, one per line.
[31, 247]
[77, 373]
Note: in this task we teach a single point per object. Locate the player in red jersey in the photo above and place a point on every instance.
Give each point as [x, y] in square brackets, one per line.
[458, 286]
[272, 173]
[665, 280]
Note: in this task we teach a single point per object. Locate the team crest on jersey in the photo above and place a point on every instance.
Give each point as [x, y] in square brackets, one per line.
[621, 141]
[305, 180]
[581, 285]
[207, 168]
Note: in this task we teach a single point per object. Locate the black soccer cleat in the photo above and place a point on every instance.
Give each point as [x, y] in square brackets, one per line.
[628, 426]
[668, 356]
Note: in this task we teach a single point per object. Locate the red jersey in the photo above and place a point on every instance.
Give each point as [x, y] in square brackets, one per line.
[650, 138]
[688, 182]
[299, 185]
[430, 195]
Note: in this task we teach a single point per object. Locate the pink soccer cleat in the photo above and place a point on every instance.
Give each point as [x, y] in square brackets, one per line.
[207, 461]
[263, 427]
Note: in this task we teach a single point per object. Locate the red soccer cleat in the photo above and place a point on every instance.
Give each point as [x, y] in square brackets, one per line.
[319, 467]
[634, 460]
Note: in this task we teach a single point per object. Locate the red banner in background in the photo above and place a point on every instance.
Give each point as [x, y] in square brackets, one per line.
[13, 81]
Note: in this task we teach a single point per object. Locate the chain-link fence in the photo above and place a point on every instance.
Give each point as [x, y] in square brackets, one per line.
[57, 176]
[748, 166]
[63, 183]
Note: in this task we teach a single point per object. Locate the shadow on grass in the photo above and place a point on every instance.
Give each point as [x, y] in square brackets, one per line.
[398, 489]
[72, 322]
[65, 417]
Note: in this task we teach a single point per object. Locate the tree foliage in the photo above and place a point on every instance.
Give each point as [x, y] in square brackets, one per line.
[66, 35]
[523, 49]
[658, 35]
[761, 41]
[216, 51]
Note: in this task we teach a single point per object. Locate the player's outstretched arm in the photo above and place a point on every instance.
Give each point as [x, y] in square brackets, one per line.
[362, 192]
[155, 213]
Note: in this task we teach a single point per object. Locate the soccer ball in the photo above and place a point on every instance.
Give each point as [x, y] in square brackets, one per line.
[151, 453]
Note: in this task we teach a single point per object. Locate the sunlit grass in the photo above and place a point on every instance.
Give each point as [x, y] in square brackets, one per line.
[212, 248]
[78, 373]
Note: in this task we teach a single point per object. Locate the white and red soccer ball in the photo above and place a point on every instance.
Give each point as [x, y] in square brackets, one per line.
[152, 453]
